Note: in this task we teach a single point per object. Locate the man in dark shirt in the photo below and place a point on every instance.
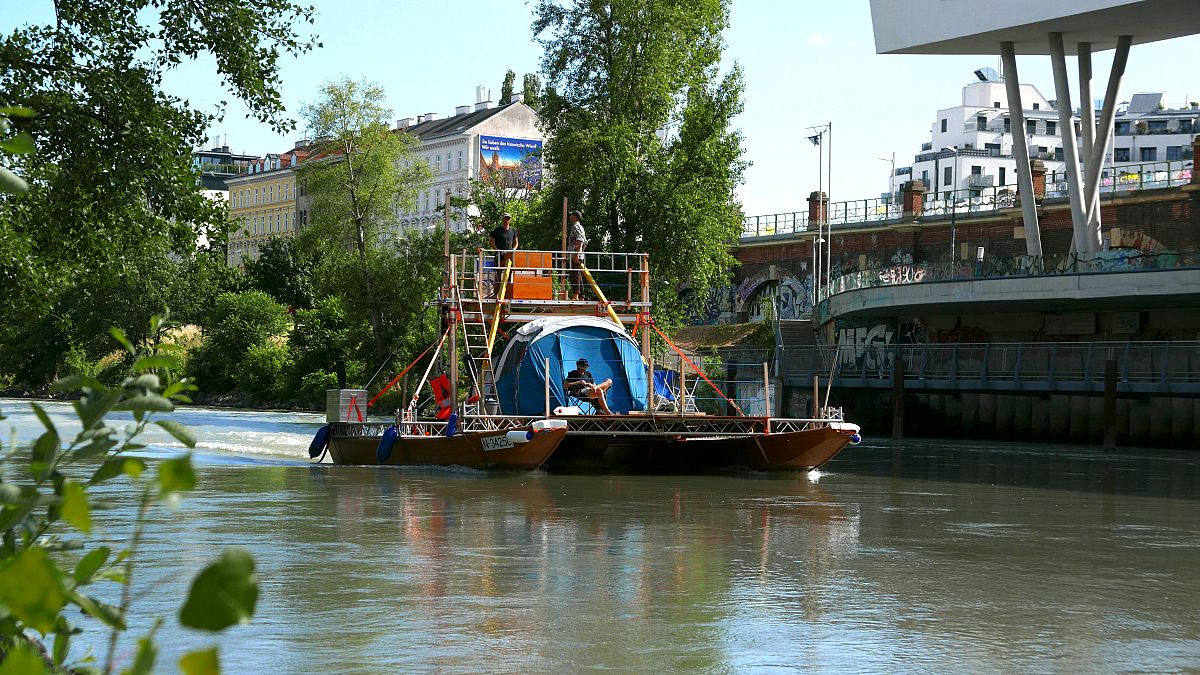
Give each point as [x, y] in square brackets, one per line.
[504, 239]
[579, 383]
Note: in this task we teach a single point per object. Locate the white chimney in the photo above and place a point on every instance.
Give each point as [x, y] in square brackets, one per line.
[462, 110]
[517, 97]
[420, 119]
[404, 123]
[429, 117]
[481, 94]
[483, 105]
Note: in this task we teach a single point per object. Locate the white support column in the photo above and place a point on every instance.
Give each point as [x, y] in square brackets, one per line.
[1100, 148]
[1087, 113]
[1012, 84]
[1066, 119]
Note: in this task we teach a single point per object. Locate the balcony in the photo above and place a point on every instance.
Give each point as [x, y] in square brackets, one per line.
[980, 180]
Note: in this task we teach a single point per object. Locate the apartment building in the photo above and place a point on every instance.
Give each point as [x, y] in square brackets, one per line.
[264, 202]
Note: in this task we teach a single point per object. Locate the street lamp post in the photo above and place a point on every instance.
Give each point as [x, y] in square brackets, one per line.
[953, 202]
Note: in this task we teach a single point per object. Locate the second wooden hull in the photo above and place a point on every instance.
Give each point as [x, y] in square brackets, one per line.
[791, 451]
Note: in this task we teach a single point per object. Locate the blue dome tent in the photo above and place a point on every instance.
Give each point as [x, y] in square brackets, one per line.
[521, 369]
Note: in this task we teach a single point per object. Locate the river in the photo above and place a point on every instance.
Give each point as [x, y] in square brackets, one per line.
[907, 556]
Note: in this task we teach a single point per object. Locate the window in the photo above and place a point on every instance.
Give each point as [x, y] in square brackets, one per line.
[980, 123]
[1007, 125]
[257, 197]
[460, 157]
[1122, 155]
[1002, 176]
[1037, 106]
[993, 149]
[427, 200]
[1122, 129]
[1031, 126]
[438, 166]
[1158, 126]
[1051, 128]
[437, 198]
[925, 177]
[271, 194]
[995, 104]
[948, 176]
[1058, 153]
[976, 170]
[1185, 126]
[943, 126]
[1149, 154]
[1174, 152]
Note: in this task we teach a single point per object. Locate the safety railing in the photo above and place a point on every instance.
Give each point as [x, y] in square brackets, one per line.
[552, 276]
[1146, 367]
[995, 267]
[869, 212]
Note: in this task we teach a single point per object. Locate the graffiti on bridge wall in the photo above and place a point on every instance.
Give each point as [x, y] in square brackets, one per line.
[865, 346]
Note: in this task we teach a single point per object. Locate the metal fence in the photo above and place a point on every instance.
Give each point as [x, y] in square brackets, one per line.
[1121, 260]
[1142, 367]
[982, 199]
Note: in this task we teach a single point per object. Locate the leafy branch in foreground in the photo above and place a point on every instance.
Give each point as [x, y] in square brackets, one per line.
[46, 485]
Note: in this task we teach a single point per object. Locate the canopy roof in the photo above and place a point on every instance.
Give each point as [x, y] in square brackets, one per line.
[978, 27]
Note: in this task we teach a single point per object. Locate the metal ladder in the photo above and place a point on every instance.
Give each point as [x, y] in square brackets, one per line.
[471, 294]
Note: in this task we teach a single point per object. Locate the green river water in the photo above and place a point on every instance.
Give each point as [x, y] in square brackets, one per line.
[897, 557]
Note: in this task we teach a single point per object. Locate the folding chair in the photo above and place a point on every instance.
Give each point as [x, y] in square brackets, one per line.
[665, 399]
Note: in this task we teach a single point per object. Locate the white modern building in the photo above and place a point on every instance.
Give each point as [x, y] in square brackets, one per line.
[471, 143]
[971, 150]
[972, 144]
[1054, 28]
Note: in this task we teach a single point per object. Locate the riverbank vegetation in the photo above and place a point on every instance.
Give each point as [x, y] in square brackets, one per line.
[114, 227]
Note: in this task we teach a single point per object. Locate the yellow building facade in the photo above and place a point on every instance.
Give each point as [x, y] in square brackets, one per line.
[263, 202]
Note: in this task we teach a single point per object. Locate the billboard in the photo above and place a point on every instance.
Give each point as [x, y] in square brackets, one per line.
[518, 159]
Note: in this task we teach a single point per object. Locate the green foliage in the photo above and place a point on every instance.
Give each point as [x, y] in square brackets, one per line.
[223, 594]
[14, 143]
[532, 90]
[46, 579]
[639, 124]
[322, 335]
[239, 322]
[506, 88]
[112, 176]
[263, 371]
[355, 180]
[285, 271]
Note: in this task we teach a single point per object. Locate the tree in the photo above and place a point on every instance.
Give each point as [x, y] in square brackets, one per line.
[532, 90]
[506, 89]
[112, 171]
[357, 176]
[638, 117]
[284, 270]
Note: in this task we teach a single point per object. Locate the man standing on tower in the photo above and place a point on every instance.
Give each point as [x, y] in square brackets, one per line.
[576, 241]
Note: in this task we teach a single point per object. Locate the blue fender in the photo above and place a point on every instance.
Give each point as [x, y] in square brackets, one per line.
[383, 451]
[452, 425]
[319, 442]
[855, 439]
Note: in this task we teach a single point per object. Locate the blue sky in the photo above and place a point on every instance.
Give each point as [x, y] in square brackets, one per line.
[806, 63]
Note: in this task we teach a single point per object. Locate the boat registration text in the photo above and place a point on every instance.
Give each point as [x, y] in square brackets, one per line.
[493, 443]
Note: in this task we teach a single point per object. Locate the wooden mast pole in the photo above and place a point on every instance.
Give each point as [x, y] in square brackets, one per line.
[645, 311]
[451, 297]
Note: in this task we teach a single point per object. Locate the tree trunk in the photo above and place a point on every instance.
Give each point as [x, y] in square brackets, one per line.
[369, 289]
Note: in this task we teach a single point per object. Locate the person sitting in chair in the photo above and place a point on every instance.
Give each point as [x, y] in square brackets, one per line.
[579, 383]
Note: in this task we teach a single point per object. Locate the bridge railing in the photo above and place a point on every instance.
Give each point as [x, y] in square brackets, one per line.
[965, 202]
[1148, 367]
[1119, 260]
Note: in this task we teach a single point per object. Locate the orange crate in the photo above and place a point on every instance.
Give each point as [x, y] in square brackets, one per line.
[532, 259]
[532, 287]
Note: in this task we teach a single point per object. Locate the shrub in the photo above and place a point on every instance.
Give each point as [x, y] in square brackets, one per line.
[263, 369]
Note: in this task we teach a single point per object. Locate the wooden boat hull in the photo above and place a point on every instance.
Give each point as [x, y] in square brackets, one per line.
[790, 451]
[464, 449]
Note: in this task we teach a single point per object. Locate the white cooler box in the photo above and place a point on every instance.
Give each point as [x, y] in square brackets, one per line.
[346, 405]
